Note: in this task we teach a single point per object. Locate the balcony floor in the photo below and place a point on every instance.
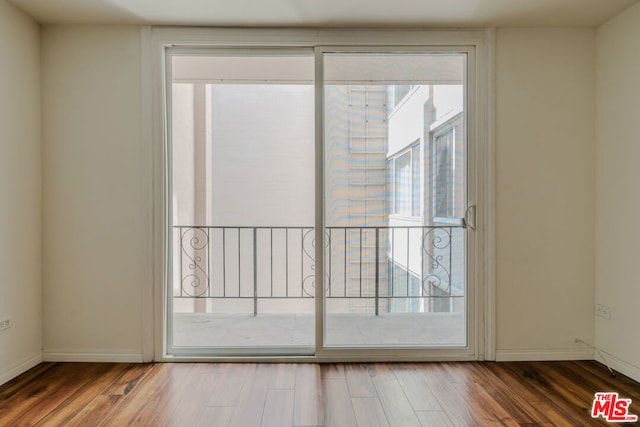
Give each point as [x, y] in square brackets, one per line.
[245, 330]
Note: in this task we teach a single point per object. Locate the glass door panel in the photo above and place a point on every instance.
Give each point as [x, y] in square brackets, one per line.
[242, 208]
[395, 195]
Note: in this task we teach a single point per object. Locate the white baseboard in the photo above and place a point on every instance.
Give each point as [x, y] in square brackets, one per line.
[20, 368]
[55, 356]
[625, 368]
[543, 355]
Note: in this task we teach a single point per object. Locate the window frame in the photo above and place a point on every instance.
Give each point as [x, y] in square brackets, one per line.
[393, 184]
[441, 129]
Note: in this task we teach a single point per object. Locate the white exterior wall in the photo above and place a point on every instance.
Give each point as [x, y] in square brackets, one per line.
[263, 155]
[406, 123]
[20, 193]
[409, 122]
[617, 196]
[183, 145]
[258, 171]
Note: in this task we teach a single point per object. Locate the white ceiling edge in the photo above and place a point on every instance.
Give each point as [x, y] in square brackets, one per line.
[328, 13]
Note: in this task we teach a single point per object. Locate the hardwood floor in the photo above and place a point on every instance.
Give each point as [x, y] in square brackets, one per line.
[376, 394]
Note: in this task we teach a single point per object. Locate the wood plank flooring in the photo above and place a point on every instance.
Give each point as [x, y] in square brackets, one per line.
[343, 395]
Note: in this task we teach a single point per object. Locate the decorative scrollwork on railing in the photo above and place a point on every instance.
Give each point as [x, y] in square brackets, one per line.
[309, 243]
[309, 284]
[280, 262]
[436, 244]
[194, 243]
[308, 248]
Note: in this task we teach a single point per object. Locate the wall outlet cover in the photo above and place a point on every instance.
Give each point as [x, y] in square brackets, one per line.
[603, 311]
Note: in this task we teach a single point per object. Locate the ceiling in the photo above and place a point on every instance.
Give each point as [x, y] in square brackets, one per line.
[327, 13]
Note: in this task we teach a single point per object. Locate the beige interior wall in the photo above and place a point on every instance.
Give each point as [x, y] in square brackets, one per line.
[617, 190]
[96, 215]
[545, 180]
[20, 192]
[96, 211]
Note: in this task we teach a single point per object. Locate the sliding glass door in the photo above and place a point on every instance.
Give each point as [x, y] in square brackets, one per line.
[242, 203]
[395, 196]
[257, 265]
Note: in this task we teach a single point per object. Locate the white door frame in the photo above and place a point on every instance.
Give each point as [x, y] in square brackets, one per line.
[155, 43]
[360, 353]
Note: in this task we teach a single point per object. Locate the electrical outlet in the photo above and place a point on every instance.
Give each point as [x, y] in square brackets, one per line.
[603, 311]
[5, 323]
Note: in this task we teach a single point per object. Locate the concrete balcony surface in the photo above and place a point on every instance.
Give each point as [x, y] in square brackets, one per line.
[295, 329]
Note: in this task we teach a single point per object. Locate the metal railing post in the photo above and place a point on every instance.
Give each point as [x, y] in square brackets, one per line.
[255, 271]
[377, 270]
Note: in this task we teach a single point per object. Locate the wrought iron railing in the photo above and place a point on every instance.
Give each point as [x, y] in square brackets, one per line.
[377, 264]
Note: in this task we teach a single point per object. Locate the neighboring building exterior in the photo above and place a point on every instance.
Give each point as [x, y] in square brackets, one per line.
[395, 159]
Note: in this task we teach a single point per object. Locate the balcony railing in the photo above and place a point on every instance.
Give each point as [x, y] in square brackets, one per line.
[376, 264]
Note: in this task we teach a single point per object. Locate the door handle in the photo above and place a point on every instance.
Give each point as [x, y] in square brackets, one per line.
[470, 224]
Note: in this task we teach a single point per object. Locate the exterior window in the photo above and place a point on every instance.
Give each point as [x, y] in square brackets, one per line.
[447, 171]
[405, 183]
[415, 180]
[402, 184]
[444, 169]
